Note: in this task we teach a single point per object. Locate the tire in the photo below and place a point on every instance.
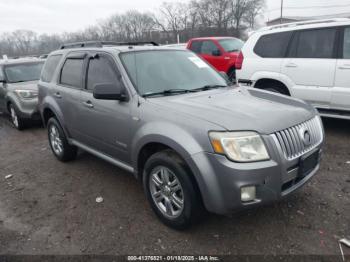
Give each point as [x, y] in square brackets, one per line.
[232, 75]
[15, 119]
[179, 205]
[59, 142]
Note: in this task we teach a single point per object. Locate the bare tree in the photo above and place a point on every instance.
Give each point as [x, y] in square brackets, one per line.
[254, 8]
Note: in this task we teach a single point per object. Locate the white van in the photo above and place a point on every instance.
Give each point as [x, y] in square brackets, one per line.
[308, 60]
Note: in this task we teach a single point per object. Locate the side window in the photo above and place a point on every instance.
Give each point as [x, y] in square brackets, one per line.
[102, 70]
[273, 45]
[316, 43]
[50, 68]
[208, 47]
[72, 72]
[196, 46]
[346, 47]
[2, 76]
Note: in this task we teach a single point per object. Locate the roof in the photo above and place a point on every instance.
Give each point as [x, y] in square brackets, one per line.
[213, 38]
[306, 25]
[307, 18]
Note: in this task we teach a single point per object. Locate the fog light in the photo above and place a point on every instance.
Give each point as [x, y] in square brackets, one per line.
[248, 193]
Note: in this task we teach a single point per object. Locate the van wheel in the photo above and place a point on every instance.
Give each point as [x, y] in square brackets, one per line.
[232, 75]
[16, 120]
[170, 190]
[59, 142]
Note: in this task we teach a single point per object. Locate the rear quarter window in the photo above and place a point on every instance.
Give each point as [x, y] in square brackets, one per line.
[50, 68]
[273, 45]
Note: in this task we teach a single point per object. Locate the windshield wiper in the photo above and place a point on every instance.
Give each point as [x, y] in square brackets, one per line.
[169, 92]
[208, 87]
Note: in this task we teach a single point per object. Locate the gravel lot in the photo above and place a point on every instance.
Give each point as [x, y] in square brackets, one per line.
[48, 207]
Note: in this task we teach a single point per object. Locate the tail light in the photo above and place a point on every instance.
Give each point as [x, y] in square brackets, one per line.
[239, 60]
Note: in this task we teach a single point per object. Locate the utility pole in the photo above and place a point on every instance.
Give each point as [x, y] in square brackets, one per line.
[281, 20]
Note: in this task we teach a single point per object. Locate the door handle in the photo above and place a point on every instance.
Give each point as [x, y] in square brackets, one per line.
[346, 66]
[57, 94]
[291, 65]
[88, 104]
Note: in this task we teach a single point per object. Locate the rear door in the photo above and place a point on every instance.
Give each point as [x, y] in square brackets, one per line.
[311, 65]
[341, 91]
[103, 124]
[210, 52]
[68, 90]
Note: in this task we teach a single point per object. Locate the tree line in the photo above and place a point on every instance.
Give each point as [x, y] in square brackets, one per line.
[170, 22]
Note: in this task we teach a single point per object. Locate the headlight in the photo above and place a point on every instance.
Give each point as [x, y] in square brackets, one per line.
[239, 146]
[27, 94]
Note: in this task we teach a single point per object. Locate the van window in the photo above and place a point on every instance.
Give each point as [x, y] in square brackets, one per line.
[346, 47]
[316, 43]
[72, 72]
[273, 45]
[50, 68]
[101, 71]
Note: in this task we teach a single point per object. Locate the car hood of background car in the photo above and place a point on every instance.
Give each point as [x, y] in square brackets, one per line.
[241, 108]
[30, 85]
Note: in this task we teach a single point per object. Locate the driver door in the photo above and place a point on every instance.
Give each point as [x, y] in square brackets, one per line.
[104, 123]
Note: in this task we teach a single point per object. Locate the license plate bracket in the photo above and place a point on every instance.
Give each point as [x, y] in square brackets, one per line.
[308, 163]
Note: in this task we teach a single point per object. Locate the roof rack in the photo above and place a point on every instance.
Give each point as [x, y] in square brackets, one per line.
[306, 22]
[104, 43]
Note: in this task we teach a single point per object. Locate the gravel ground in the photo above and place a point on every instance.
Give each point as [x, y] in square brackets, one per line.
[49, 207]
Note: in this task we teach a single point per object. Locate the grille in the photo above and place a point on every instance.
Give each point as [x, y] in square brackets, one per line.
[300, 139]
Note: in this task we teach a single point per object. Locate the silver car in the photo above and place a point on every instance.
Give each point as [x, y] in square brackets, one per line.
[19, 91]
[195, 141]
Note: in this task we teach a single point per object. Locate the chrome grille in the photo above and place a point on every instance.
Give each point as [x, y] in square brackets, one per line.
[300, 139]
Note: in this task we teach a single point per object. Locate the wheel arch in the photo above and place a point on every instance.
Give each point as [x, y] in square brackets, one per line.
[266, 82]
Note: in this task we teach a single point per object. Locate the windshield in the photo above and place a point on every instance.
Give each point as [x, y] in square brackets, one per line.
[23, 72]
[161, 70]
[231, 44]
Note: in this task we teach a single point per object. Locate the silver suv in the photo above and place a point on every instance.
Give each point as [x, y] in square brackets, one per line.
[19, 91]
[196, 142]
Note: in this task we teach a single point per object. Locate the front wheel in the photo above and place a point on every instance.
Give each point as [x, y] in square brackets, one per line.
[170, 190]
[59, 142]
[16, 120]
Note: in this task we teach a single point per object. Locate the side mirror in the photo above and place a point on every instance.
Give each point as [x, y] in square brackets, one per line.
[216, 53]
[109, 92]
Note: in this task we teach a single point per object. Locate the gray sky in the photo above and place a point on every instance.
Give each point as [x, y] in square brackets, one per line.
[57, 16]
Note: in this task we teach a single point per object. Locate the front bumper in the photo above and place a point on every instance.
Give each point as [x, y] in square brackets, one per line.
[27, 109]
[220, 179]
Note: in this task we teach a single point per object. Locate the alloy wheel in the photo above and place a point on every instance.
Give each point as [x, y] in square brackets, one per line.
[166, 191]
[55, 140]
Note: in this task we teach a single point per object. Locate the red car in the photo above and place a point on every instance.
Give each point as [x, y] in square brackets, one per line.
[220, 52]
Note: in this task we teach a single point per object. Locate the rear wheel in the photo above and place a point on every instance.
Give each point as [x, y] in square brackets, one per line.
[59, 142]
[16, 120]
[170, 190]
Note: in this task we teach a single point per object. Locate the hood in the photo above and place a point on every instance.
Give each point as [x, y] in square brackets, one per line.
[241, 108]
[30, 85]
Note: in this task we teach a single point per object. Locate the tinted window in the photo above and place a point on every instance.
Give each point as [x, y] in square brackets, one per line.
[101, 71]
[72, 72]
[273, 45]
[346, 48]
[316, 43]
[50, 67]
[23, 72]
[208, 47]
[196, 46]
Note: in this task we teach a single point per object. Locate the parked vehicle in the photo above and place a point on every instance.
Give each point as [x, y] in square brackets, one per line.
[220, 52]
[19, 91]
[173, 121]
[308, 60]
